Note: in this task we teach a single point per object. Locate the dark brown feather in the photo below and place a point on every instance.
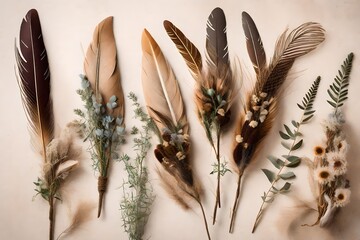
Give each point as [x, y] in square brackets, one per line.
[253, 43]
[216, 43]
[34, 81]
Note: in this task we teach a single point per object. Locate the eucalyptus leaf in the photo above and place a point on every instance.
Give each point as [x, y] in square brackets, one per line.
[278, 163]
[288, 175]
[269, 174]
[297, 145]
[284, 135]
[294, 164]
[286, 187]
[286, 145]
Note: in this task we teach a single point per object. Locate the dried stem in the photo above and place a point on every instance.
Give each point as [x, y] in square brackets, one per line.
[204, 217]
[236, 203]
[217, 152]
[51, 218]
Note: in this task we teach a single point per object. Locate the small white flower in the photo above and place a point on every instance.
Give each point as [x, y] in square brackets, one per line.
[265, 104]
[256, 108]
[342, 197]
[165, 144]
[180, 155]
[255, 98]
[239, 138]
[263, 115]
[337, 163]
[324, 175]
[246, 145]
[221, 112]
[263, 95]
[262, 118]
[253, 124]
[180, 131]
[248, 115]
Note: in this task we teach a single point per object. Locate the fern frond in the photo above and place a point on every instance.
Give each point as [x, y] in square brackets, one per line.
[338, 90]
[308, 101]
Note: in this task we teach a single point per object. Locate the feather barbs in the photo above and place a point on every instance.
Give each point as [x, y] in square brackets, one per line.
[101, 66]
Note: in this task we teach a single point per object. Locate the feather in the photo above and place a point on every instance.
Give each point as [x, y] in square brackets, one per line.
[215, 86]
[101, 66]
[216, 41]
[161, 89]
[253, 43]
[186, 48]
[166, 108]
[261, 106]
[34, 82]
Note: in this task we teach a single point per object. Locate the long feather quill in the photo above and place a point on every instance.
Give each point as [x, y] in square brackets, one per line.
[34, 82]
[214, 86]
[105, 123]
[261, 105]
[166, 108]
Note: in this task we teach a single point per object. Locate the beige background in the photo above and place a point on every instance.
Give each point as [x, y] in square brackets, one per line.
[67, 29]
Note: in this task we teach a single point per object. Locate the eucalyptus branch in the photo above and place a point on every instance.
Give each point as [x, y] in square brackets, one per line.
[135, 205]
[289, 160]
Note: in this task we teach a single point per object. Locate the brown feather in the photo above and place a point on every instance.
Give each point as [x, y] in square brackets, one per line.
[101, 66]
[34, 81]
[261, 106]
[253, 43]
[161, 90]
[186, 48]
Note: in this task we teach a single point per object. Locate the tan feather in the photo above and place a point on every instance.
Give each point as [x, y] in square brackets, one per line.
[101, 66]
[166, 108]
[186, 48]
[161, 90]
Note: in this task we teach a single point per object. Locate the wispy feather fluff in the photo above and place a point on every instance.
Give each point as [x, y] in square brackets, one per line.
[261, 104]
[166, 108]
[104, 101]
[214, 86]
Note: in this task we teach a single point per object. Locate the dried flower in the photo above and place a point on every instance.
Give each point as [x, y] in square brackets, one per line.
[319, 151]
[238, 138]
[253, 124]
[221, 112]
[342, 197]
[263, 95]
[324, 175]
[337, 163]
[256, 108]
[248, 115]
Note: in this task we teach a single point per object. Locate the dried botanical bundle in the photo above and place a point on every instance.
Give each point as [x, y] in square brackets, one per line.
[291, 140]
[166, 108]
[261, 104]
[59, 154]
[330, 164]
[104, 102]
[215, 86]
[138, 192]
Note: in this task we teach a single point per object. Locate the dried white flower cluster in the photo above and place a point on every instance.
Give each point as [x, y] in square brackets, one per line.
[330, 167]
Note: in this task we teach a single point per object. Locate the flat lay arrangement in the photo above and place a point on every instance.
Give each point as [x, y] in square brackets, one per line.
[187, 134]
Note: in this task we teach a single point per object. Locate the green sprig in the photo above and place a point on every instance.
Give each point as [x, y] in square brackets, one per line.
[138, 193]
[291, 141]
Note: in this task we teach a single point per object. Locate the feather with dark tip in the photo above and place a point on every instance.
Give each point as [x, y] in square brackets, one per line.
[186, 48]
[261, 104]
[253, 43]
[34, 81]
